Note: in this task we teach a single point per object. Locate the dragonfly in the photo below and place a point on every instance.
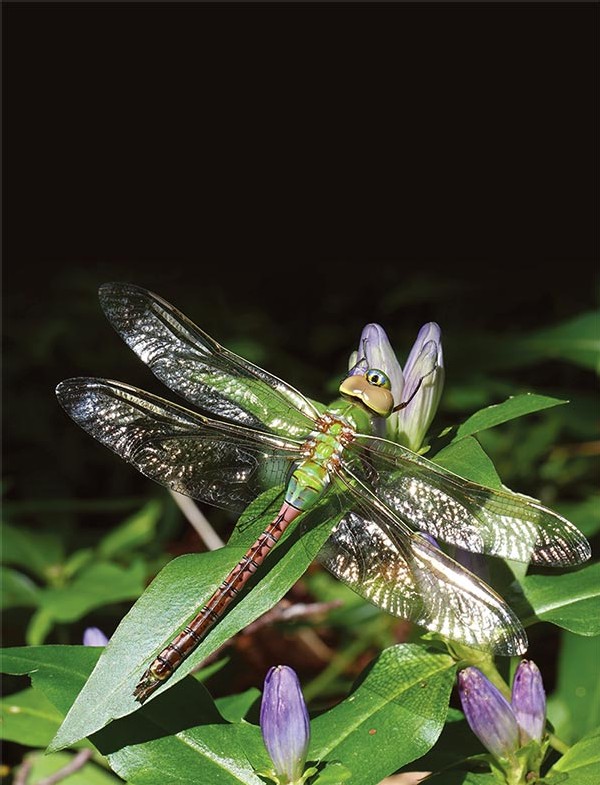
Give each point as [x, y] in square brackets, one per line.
[388, 505]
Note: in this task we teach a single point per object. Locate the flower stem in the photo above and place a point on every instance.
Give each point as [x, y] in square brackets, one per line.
[558, 744]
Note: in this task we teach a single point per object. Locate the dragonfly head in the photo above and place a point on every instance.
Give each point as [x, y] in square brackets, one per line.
[371, 391]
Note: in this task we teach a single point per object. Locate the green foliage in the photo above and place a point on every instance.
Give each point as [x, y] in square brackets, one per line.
[570, 600]
[580, 764]
[574, 707]
[377, 706]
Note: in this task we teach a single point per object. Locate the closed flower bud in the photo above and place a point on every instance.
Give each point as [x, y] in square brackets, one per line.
[529, 701]
[423, 383]
[285, 724]
[375, 351]
[488, 713]
[93, 636]
[419, 386]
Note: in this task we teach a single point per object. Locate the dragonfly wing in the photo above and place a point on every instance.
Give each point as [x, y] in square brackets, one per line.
[375, 554]
[476, 518]
[219, 463]
[194, 365]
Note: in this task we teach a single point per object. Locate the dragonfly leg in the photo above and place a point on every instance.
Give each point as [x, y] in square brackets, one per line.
[404, 404]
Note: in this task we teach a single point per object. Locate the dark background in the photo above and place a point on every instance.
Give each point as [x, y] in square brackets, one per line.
[284, 174]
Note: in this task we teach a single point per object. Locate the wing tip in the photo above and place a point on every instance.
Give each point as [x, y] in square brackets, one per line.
[558, 554]
[64, 389]
[107, 292]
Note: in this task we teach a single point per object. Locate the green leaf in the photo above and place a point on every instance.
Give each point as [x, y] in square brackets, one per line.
[332, 774]
[178, 738]
[235, 707]
[576, 340]
[139, 529]
[467, 458]
[95, 586]
[455, 745]
[585, 514]
[37, 552]
[570, 600]
[58, 671]
[581, 762]
[77, 561]
[574, 707]
[29, 718]
[17, 590]
[180, 590]
[181, 738]
[515, 406]
[394, 714]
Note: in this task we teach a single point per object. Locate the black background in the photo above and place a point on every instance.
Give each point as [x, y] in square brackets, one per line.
[284, 173]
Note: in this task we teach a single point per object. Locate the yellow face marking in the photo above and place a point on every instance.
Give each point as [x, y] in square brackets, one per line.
[376, 399]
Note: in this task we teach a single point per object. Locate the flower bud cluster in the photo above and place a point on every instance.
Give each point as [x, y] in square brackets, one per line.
[416, 389]
[507, 728]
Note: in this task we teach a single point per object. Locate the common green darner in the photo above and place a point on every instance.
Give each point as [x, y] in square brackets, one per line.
[269, 434]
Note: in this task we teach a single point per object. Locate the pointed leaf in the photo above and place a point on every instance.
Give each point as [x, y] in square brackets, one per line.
[135, 531]
[393, 715]
[94, 586]
[581, 763]
[37, 552]
[180, 590]
[29, 718]
[180, 737]
[58, 671]
[513, 407]
[467, 458]
[574, 707]
[17, 590]
[576, 340]
[571, 600]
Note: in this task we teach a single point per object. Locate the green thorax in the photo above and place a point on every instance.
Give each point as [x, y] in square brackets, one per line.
[322, 453]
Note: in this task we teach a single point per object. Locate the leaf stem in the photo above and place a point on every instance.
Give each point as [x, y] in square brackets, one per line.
[558, 744]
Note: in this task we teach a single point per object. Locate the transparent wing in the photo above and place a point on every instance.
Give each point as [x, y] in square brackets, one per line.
[194, 365]
[377, 555]
[220, 463]
[476, 518]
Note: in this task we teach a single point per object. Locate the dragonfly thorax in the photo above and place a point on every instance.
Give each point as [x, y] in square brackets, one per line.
[321, 458]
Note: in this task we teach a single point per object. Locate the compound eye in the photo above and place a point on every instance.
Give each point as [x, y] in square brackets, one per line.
[378, 378]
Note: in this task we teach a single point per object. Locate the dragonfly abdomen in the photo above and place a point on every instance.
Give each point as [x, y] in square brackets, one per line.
[321, 458]
[171, 657]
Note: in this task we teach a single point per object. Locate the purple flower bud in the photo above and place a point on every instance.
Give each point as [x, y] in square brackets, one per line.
[375, 351]
[529, 701]
[284, 723]
[93, 636]
[473, 562]
[430, 539]
[488, 713]
[423, 383]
